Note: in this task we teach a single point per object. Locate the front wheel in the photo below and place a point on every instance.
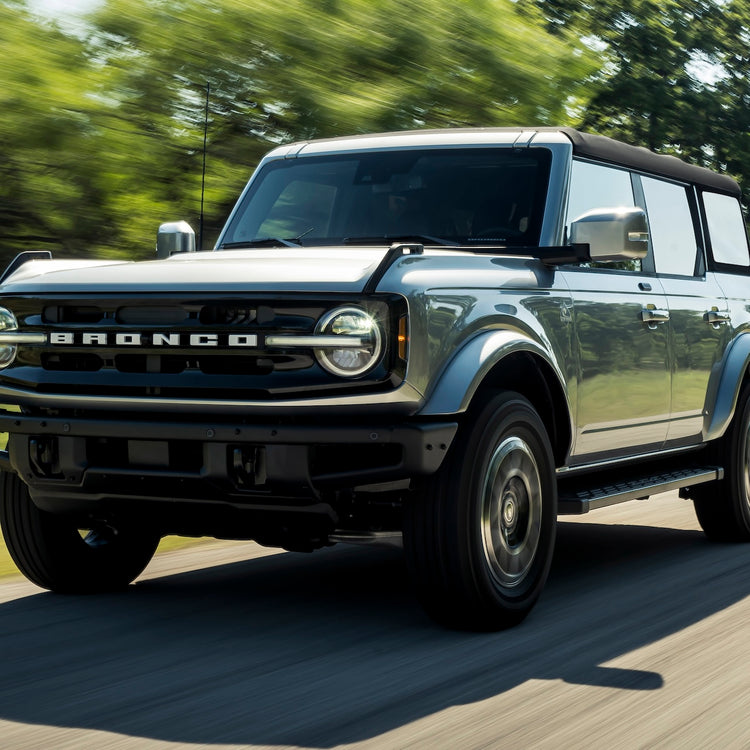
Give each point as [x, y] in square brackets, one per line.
[479, 538]
[54, 552]
[723, 508]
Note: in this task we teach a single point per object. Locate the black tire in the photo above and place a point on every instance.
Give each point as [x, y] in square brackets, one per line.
[479, 538]
[723, 508]
[51, 552]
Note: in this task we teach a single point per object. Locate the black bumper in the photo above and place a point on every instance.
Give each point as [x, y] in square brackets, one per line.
[96, 459]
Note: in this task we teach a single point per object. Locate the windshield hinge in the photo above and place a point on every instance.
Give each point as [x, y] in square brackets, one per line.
[524, 139]
[396, 250]
[24, 257]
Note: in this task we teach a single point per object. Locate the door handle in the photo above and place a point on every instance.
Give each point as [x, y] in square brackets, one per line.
[717, 318]
[654, 317]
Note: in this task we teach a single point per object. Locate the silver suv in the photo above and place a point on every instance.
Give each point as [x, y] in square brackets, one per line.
[441, 338]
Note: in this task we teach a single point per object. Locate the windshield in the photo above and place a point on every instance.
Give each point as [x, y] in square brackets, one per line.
[454, 196]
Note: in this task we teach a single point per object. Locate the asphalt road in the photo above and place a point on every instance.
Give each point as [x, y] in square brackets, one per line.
[641, 640]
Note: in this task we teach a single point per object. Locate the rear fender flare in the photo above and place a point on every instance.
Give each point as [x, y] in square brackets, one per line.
[724, 388]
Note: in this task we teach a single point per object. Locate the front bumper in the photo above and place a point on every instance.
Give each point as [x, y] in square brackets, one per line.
[71, 463]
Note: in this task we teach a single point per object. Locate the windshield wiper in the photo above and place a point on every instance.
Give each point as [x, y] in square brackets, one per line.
[268, 242]
[260, 242]
[390, 238]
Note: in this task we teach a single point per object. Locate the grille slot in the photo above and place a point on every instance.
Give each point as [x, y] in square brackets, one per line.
[228, 365]
[72, 362]
[152, 316]
[133, 363]
[72, 314]
[230, 315]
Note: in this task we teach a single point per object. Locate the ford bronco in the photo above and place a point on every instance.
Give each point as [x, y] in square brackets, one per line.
[439, 338]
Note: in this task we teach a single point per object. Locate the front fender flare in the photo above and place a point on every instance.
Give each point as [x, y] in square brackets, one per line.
[466, 371]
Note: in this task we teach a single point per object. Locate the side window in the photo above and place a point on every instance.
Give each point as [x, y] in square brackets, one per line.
[726, 229]
[598, 186]
[671, 227]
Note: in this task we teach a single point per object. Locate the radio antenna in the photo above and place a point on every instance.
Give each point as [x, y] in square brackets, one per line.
[203, 178]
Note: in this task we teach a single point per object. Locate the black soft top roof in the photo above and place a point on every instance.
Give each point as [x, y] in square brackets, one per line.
[601, 148]
[597, 147]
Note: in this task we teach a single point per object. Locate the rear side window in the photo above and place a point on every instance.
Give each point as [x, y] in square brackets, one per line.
[726, 229]
[671, 227]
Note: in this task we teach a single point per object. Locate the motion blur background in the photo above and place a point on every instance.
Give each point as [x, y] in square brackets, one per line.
[103, 102]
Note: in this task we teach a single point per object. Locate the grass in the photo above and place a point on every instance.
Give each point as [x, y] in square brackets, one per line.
[8, 568]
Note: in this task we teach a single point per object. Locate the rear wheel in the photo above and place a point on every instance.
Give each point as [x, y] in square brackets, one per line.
[479, 538]
[723, 508]
[55, 553]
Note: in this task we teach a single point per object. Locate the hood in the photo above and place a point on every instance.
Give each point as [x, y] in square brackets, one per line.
[284, 269]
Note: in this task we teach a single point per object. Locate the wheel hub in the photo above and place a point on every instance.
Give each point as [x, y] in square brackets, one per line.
[511, 512]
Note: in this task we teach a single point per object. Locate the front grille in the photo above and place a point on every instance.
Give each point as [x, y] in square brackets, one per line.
[210, 347]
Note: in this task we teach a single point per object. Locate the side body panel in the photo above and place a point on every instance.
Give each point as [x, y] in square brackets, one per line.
[700, 334]
[624, 378]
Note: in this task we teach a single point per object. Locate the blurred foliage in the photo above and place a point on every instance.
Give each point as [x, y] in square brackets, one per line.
[102, 131]
[47, 145]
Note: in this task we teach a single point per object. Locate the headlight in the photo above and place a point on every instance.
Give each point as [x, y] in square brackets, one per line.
[7, 324]
[361, 343]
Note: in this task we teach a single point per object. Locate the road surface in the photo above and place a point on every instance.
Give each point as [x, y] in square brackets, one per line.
[641, 640]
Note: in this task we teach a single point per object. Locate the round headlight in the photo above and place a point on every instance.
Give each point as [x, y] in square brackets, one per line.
[361, 342]
[7, 324]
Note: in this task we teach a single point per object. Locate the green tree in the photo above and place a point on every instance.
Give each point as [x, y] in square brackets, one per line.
[101, 133]
[310, 69]
[47, 153]
[730, 117]
[673, 75]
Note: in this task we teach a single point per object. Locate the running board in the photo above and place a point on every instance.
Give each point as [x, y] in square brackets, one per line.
[382, 538]
[581, 498]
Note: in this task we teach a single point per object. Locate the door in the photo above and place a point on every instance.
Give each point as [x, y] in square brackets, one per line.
[622, 330]
[699, 315]
[621, 323]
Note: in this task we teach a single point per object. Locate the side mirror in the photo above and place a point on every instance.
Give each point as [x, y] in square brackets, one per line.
[174, 237]
[612, 233]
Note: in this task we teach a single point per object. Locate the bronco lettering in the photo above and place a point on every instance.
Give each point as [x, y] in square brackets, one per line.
[89, 338]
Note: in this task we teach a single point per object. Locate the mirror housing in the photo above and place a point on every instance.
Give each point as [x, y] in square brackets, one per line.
[612, 233]
[174, 237]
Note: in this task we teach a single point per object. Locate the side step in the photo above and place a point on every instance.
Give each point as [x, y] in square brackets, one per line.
[382, 538]
[578, 495]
